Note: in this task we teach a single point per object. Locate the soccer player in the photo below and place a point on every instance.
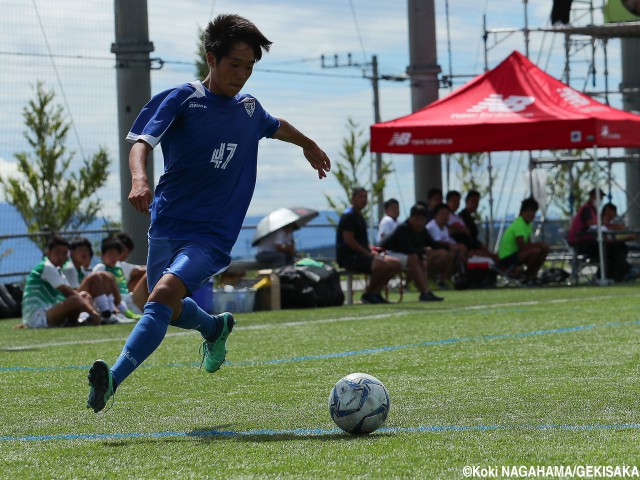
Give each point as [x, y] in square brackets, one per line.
[209, 135]
[49, 300]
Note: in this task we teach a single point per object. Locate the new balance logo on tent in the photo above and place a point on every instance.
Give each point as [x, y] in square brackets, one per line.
[496, 103]
[400, 138]
[573, 98]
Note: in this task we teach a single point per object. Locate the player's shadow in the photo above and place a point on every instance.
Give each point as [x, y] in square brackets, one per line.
[221, 433]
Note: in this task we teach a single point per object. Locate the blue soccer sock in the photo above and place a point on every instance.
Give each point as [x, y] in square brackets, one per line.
[145, 337]
[194, 318]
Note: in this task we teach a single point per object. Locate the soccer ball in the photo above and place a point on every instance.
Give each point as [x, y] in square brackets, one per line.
[359, 403]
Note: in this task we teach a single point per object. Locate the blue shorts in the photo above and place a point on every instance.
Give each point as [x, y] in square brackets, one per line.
[192, 262]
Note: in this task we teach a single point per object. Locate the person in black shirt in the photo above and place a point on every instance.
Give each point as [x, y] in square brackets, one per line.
[354, 253]
[467, 214]
[408, 243]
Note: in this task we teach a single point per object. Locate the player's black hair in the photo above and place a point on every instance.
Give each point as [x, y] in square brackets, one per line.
[433, 192]
[81, 242]
[126, 240]
[227, 29]
[529, 204]
[472, 193]
[419, 210]
[440, 206]
[453, 193]
[55, 241]
[110, 243]
[391, 201]
[357, 190]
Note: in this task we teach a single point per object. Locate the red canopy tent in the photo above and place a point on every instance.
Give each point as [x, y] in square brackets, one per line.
[515, 106]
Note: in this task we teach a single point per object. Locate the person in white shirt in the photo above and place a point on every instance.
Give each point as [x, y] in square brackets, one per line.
[390, 220]
[439, 231]
[456, 224]
[277, 248]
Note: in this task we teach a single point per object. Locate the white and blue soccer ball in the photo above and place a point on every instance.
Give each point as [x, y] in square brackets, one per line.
[359, 403]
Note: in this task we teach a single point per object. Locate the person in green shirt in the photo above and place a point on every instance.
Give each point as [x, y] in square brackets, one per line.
[49, 300]
[111, 250]
[517, 249]
[100, 285]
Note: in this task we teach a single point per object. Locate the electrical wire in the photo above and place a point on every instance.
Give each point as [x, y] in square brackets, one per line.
[55, 69]
[355, 21]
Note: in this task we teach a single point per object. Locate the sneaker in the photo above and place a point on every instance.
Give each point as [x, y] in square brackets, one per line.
[213, 353]
[446, 285]
[380, 298]
[100, 385]
[133, 315]
[109, 320]
[370, 298]
[429, 297]
[122, 318]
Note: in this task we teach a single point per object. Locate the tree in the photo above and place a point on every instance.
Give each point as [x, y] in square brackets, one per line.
[202, 67]
[354, 169]
[49, 195]
[569, 183]
[473, 174]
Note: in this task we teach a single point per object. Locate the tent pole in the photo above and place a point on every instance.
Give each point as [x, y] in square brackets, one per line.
[491, 225]
[602, 280]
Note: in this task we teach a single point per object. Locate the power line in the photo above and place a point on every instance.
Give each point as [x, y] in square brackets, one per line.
[162, 62]
[355, 21]
[55, 69]
[50, 55]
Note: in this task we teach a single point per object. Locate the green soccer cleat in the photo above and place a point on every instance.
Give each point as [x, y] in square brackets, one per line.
[213, 353]
[100, 385]
[132, 315]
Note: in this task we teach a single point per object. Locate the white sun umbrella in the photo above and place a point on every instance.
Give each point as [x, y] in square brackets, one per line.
[298, 216]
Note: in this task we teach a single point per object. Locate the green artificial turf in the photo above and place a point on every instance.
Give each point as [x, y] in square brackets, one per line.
[513, 377]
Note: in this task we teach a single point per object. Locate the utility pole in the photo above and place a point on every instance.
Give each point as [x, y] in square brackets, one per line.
[423, 72]
[132, 47]
[375, 78]
[630, 87]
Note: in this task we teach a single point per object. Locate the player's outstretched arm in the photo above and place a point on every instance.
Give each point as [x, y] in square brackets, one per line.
[312, 152]
[140, 195]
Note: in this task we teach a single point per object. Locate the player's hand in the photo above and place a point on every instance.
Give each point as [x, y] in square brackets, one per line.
[140, 196]
[318, 160]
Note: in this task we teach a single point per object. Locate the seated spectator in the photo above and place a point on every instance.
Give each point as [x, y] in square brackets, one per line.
[467, 214]
[611, 224]
[136, 275]
[614, 238]
[457, 228]
[408, 243]
[516, 247]
[49, 300]
[111, 251]
[583, 238]
[439, 231]
[434, 198]
[354, 253]
[389, 222]
[101, 286]
[278, 248]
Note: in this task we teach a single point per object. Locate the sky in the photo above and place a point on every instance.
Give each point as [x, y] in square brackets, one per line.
[289, 81]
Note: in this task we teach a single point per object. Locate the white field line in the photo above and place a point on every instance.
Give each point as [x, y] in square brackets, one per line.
[326, 320]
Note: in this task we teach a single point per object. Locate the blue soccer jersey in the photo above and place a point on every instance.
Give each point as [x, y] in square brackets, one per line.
[210, 148]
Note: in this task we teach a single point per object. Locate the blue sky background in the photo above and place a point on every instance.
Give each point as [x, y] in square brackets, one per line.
[289, 81]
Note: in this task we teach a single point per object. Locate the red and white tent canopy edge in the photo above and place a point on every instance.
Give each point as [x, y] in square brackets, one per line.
[515, 106]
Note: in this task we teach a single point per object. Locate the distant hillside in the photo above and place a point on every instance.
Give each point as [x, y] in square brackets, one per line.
[317, 239]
